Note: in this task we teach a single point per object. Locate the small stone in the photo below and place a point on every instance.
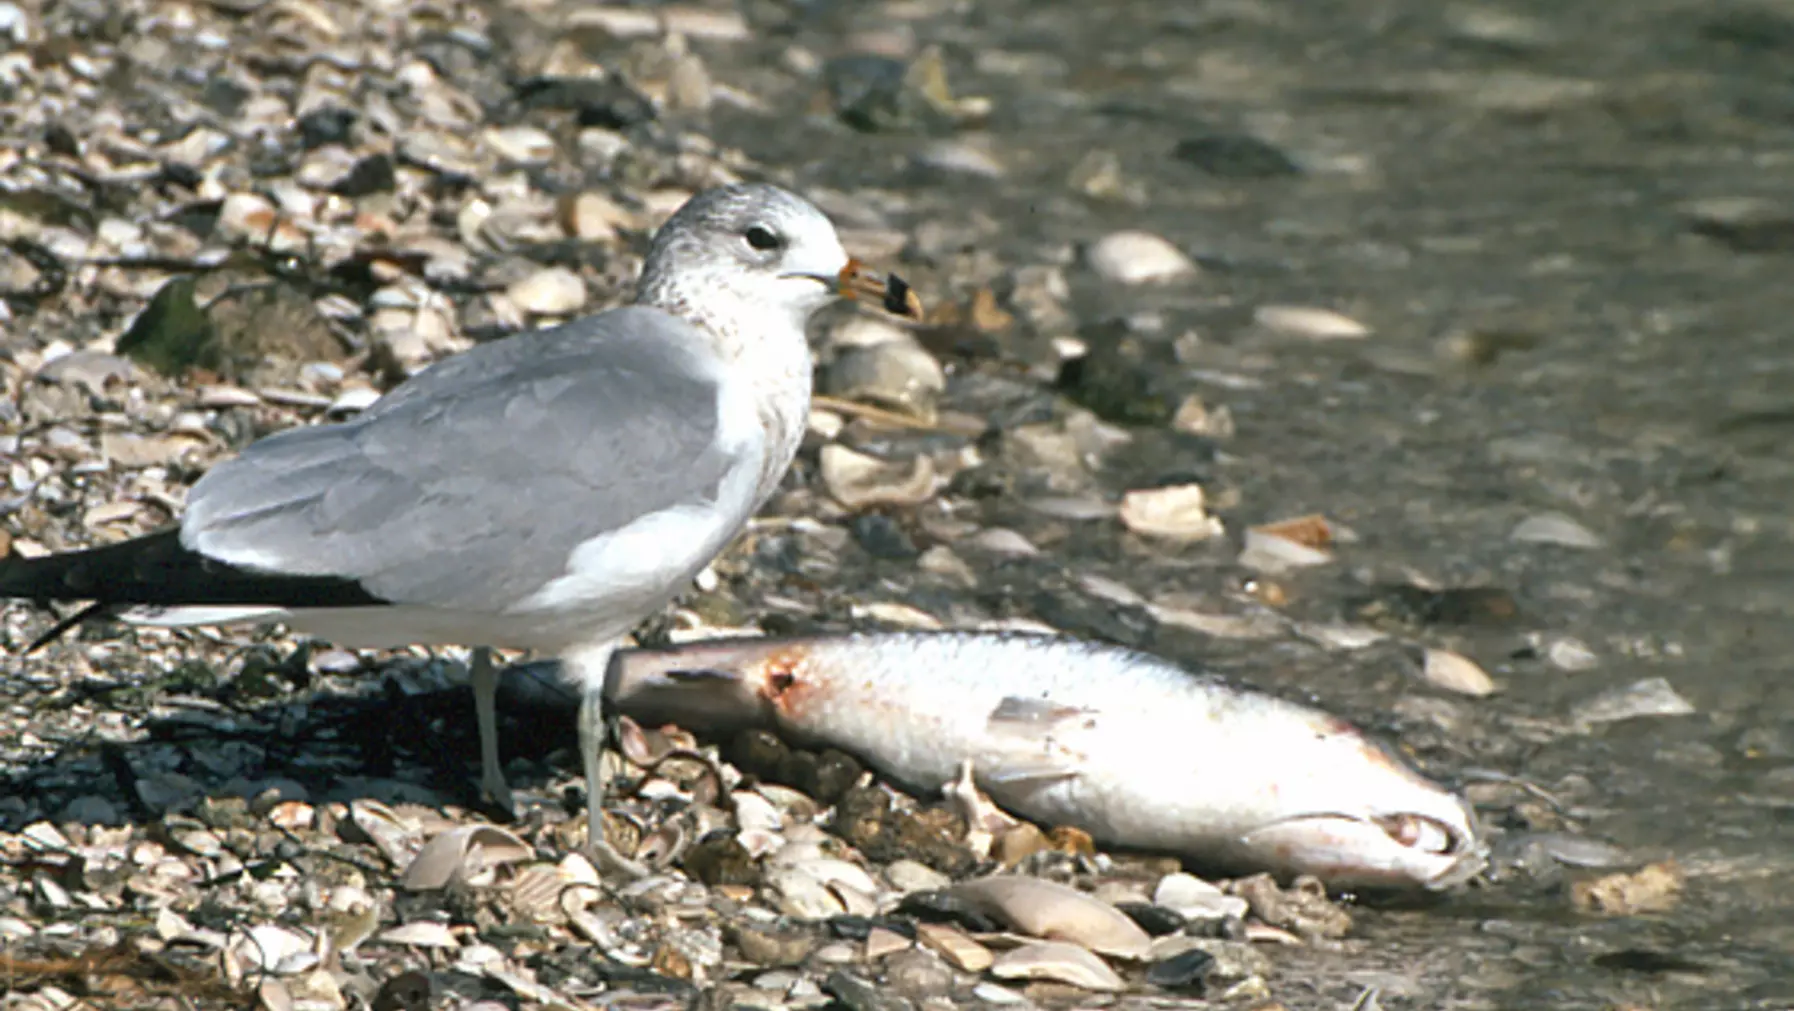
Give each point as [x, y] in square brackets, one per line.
[910, 876]
[1309, 322]
[1186, 970]
[1195, 899]
[1571, 654]
[858, 995]
[1051, 910]
[1745, 224]
[1455, 672]
[94, 371]
[1018, 844]
[918, 972]
[859, 481]
[1059, 961]
[689, 88]
[1173, 513]
[552, 291]
[1194, 417]
[895, 374]
[1654, 888]
[961, 156]
[1648, 697]
[1135, 257]
[881, 942]
[1271, 552]
[250, 218]
[1555, 528]
[594, 217]
[953, 944]
[1234, 156]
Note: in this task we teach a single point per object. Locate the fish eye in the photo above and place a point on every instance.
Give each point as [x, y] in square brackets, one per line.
[763, 238]
[1420, 832]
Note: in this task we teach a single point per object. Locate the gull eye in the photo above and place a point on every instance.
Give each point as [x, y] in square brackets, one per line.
[763, 238]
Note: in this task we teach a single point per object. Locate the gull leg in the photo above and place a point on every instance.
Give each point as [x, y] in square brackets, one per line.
[483, 679]
[591, 746]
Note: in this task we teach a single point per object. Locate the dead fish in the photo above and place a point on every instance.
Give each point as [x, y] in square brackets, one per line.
[1132, 749]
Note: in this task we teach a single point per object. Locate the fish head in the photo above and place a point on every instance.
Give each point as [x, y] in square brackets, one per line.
[703, 688]
[1374, 823]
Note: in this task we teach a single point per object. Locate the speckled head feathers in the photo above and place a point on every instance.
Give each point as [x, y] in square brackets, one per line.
[763, 245]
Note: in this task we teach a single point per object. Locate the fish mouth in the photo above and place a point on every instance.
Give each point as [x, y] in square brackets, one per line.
[1401, 850]
[857, 282]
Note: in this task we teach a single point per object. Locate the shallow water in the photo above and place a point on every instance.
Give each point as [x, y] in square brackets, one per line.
[1520, 173]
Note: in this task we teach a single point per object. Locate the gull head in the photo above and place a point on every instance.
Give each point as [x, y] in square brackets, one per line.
[746, 252]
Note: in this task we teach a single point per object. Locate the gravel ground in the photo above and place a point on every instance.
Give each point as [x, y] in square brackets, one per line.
[225, 218]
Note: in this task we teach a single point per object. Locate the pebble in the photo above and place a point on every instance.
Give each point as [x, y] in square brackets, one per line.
[896, 374]
[520, 145]
[1173, 513]
[1268, 552]
[907, 875]
[859, 481]
[953, 945]
[1309, 322]
[1571, 654]
[1654, 888]
[1054, 911]
[1135, 257]
[1058, 961]
[961, 156]
[881, 942]
[1555, 528]
[917, 972]
[1197, 900]
[551, 291]
[1234, 156]
[593, 217]
[1456, 672]
[856, 994]
[1185, 970]
[991, 993]
[1002, 541]
[1648, 697]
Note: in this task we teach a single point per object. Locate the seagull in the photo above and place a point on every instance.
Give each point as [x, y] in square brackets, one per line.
[543, 492]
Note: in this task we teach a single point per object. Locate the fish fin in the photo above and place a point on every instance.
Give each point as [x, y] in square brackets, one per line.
[1035, 733]
[1022, 769]
[1015, 715]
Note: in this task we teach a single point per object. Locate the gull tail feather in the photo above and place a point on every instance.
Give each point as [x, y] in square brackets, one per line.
[156, 572]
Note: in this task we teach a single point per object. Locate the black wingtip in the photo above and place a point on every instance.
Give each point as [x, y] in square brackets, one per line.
[157, 570]
[64, 624]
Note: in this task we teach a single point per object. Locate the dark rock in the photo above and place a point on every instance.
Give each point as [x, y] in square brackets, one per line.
[881, 537]
[1418, 605]
[329, 124]
[373, 174]
[858, 995]
[770, 944]
[858, 928]
[171, 334]
[1185, 971]
[720, 859]
[946, 906]
[1124, 378]
[408, 991]
[876, 94]
[1155, 920]
[1234, 156]
[865, 817]
[607, 102]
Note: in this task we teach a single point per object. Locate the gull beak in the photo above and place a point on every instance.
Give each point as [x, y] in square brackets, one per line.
[890, 293]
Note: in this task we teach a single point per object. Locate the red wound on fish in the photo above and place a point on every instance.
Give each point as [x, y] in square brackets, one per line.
[780, 673]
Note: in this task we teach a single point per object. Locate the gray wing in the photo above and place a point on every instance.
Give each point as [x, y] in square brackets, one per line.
[468, 486]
